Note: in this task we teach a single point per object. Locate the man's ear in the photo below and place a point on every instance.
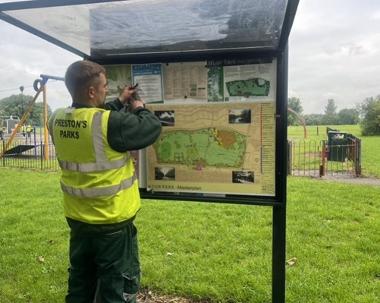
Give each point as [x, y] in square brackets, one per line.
[91, 92]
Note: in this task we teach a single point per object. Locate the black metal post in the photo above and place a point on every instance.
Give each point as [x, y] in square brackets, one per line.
[278, 254]
[35, 142]
[279, 211]
[358, 157]
[289, 158]
[3, 151]
[42, 155]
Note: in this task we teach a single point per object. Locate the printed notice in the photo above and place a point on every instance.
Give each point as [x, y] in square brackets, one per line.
[148, 76]
[268, 146]
[185, 82]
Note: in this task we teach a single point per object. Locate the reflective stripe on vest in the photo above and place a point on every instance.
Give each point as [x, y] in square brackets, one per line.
[102, 163]
[92, 167]
[98, 191]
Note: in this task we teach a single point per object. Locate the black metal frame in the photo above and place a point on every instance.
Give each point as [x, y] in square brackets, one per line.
[279, 211]
[279, 197]
[278, 201]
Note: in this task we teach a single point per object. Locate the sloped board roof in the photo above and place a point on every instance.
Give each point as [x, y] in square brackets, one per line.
[115, 29]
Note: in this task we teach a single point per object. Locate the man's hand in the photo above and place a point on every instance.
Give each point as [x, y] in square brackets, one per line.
[127, 94]
[136, 104]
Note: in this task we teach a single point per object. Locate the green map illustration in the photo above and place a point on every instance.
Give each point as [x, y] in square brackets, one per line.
[201, 148]
[249, 87]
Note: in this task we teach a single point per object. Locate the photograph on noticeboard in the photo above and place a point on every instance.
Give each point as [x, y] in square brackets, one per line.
[118, 76]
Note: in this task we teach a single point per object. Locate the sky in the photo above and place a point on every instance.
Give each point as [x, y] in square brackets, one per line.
[334, 53]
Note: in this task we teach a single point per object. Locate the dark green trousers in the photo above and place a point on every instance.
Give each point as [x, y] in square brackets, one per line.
[104, 261]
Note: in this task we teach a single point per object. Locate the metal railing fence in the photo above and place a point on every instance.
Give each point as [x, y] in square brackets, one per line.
[28, 154]
[305, 157]
[317, 158]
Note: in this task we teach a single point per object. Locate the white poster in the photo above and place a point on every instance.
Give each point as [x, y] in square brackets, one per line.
[149, 80]
[253, 82]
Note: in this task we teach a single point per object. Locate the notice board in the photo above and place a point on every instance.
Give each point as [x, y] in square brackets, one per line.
[218, 126]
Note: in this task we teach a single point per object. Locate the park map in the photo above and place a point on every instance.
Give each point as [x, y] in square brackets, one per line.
[216, 148]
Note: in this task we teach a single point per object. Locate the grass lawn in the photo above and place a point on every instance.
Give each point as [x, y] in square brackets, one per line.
[370, 144]
[215, 252]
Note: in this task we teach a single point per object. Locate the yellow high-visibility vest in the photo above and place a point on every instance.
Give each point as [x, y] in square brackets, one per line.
[98, 183]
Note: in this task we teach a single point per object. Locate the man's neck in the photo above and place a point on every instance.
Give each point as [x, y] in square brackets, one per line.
[77, 104]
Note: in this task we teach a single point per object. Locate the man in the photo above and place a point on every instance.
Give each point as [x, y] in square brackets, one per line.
[23, 130]
[101, 195]
[29, 130]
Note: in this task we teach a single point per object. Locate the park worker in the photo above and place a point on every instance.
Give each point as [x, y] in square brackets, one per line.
[3, 132]
[23, 130]
[29, 130]
[101, 195]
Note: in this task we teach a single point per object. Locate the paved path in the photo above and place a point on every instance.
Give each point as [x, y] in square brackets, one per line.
[351, 179]
[338, 177]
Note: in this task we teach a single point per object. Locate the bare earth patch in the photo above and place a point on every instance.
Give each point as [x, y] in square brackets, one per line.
[147, 296]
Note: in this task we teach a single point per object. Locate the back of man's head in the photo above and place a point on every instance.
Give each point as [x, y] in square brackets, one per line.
[79, 76]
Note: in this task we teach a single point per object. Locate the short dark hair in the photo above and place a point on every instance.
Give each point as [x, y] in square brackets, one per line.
[80, 75]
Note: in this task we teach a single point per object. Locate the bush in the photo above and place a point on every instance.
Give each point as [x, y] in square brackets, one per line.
[371, 116]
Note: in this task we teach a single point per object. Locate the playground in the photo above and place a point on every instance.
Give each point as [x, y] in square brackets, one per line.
[22, 141]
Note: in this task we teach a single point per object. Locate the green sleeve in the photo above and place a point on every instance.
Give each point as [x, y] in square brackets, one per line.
[114, 105]
[132, 130]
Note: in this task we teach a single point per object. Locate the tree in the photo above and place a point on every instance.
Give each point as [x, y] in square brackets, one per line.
[16, 105]
[330, 116]
[294, 104]
[348, 116]
[330, 108]
[371, 116]
[313, 119]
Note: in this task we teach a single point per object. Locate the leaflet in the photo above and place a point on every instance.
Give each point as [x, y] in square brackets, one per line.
[149, 78]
